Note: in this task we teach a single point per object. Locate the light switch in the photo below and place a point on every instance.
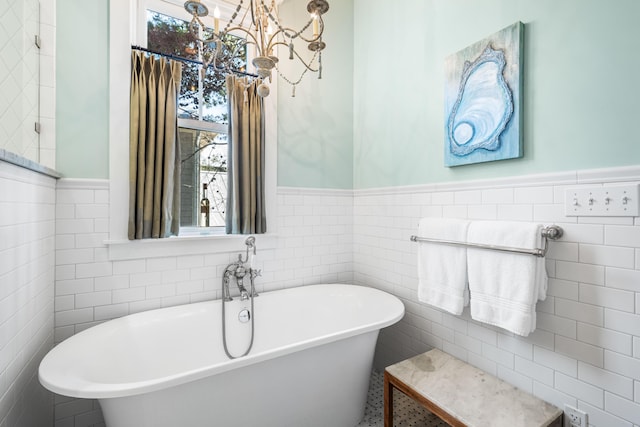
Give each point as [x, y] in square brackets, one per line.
[607, 200]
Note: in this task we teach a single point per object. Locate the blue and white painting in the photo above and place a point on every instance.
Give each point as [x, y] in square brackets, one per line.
[483, 100]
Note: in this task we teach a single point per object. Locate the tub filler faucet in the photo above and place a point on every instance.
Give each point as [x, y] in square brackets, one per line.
[239, 270]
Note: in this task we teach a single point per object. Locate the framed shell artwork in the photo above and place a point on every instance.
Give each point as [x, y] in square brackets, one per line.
[483, 100]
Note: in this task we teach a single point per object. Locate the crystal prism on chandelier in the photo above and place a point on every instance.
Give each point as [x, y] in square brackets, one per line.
[259, 25]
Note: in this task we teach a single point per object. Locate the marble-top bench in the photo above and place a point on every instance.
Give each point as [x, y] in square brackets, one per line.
[464, 396]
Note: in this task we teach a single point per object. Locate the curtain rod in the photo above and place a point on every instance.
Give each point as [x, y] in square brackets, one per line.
[180, 58]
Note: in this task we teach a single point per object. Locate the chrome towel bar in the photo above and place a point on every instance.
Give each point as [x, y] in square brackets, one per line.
[552, 232]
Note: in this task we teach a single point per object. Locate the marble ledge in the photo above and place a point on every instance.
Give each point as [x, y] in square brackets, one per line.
[31, 165]
[470, 395]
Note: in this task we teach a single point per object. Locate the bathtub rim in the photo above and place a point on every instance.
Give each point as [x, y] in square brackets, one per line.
[82, 388]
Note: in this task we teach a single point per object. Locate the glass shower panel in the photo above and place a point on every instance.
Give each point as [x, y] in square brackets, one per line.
[20, 78]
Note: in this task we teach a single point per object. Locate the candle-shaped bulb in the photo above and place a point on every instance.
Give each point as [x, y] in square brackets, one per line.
[216, 19]
[315, 24]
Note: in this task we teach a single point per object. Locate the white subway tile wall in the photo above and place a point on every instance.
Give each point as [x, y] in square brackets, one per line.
[27, 253]
[314, 245]
[585, 350]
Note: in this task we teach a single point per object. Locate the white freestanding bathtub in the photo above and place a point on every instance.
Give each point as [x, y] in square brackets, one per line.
[309, 365]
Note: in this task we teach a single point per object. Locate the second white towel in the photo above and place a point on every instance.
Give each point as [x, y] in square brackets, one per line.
[442, 269]
[505, 286]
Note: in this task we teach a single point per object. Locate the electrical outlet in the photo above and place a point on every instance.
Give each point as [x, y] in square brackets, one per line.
[575, 417]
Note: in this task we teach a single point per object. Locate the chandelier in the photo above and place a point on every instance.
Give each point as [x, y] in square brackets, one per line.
[264, 30]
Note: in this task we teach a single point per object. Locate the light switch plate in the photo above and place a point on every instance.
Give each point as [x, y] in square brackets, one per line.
[607, 200]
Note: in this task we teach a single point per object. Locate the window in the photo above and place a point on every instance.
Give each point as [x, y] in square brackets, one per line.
[202, 119]
[128, 27]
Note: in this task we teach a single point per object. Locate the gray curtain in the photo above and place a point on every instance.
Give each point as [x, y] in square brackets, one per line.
[245, 177]
[154, 152]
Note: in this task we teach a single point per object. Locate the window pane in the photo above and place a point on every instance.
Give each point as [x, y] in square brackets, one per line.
[202, 97]
[204, 161]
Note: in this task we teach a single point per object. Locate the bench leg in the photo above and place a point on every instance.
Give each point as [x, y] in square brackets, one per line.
[388, 401]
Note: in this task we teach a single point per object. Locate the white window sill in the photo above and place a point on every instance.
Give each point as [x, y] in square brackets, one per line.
[191, 244]
[203, 231]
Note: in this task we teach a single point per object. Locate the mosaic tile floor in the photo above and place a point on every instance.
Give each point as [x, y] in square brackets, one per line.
[406, 413]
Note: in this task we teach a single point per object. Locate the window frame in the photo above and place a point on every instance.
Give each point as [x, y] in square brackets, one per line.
[125, 14]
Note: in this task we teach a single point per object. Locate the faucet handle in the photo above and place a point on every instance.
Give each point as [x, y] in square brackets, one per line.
[240, 271]
[253, 274]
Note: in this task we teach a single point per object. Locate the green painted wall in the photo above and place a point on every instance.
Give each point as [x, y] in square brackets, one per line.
[315, 147]
[82, 88]
[376, 118]
[315, 129]
[580, 97]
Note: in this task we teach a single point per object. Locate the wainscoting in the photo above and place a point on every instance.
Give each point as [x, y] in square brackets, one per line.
[27, 255]
[312, 244]
[584, 352]
[586, 348]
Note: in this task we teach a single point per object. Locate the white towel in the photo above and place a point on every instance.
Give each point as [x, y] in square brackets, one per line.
[504, 287]
[442, 269]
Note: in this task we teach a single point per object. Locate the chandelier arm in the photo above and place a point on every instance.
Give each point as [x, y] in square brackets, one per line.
[273, 41]
[278, 43]
[245, 31]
